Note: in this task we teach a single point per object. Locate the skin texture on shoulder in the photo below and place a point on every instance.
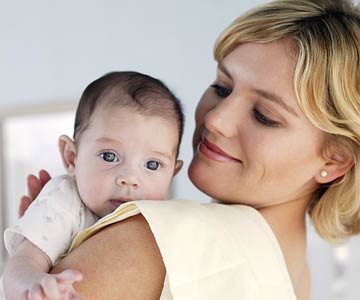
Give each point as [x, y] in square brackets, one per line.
[123, 259]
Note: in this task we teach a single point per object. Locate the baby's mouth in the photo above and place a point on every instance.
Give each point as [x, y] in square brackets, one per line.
[117, 202]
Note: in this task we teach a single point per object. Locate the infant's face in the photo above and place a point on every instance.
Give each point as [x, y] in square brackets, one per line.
[124, 156]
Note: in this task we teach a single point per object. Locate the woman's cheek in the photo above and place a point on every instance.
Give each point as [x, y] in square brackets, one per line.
[206, 104]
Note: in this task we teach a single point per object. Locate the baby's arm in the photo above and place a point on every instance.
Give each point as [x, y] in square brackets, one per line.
[26, 277]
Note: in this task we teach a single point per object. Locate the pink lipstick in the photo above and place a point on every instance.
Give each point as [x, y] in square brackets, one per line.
[214, 152]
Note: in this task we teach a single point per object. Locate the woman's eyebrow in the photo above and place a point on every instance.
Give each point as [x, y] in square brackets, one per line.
[277, 99]
[223, 69]
[265, 94]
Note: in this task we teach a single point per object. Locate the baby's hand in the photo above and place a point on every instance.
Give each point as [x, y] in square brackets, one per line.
[54, 287]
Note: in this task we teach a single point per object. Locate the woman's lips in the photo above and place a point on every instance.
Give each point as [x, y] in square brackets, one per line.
[213, 152]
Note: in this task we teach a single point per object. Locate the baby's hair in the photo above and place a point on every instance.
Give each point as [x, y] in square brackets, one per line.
[143, 93]
[325, 37]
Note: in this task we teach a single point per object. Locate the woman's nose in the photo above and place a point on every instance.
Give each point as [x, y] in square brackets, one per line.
[222, 119]
[128, 180]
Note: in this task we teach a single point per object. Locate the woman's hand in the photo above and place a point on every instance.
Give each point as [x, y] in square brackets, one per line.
[34, 185]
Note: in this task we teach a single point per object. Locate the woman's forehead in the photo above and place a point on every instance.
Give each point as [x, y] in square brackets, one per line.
[266, 67]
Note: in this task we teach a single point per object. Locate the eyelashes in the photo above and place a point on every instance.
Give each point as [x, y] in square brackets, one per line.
[221, 91]
[109, 157]
[153, 165]
[262, 119]
[259, 117]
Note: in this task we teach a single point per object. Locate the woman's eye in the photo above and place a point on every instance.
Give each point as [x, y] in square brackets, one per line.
[109, 156]
[153, 165]
[262, 119]
[221, 91]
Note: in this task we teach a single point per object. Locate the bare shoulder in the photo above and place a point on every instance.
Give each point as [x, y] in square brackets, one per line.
[122, 261]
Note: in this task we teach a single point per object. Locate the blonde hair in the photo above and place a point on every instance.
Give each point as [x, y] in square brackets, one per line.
[326, 38]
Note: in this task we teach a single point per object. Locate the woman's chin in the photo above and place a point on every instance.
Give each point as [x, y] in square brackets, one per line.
[196, 176]
[203, 179]
[195, 171]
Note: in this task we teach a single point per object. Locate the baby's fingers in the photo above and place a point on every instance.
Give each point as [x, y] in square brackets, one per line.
[75, 296]
[50, 287]
[23, 296]
[35, 293]
[69, 276]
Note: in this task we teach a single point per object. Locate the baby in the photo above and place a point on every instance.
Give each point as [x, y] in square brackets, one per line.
[127, 132]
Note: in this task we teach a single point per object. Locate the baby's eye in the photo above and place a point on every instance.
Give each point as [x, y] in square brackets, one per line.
[109, 156]
[221, 91]
[153, 165]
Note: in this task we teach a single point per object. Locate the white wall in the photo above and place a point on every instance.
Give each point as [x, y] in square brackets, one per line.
[50, 50]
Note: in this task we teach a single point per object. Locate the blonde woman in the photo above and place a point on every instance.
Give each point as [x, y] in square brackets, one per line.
[277, 135]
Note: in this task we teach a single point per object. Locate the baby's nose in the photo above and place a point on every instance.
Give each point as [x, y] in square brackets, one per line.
[128, 181]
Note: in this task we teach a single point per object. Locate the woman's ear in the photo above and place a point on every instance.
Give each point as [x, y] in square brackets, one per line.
[336, 166]
[67, 150]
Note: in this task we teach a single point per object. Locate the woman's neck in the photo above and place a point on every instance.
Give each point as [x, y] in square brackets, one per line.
[288, 222]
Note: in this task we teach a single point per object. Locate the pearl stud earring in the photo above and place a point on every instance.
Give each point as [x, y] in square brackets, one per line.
[323, 173]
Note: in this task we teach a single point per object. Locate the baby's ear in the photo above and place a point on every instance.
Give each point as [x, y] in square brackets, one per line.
[67, 150]
[178, 166]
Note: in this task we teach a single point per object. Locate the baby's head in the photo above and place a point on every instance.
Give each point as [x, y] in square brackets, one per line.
[127, 133]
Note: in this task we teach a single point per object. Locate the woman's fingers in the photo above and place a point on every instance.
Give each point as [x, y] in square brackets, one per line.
[34, 186]
[44, 177]
[25, 201]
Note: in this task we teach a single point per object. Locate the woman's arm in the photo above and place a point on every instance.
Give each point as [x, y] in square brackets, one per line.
[120, 262]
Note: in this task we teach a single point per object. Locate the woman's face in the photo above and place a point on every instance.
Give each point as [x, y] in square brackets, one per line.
[253, 145]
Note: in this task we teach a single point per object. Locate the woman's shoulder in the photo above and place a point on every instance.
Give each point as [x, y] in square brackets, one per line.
[208, 244]
[205, 246]
[123, 259]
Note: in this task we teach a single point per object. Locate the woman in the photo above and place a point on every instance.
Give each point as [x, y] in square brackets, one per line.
[278, 132]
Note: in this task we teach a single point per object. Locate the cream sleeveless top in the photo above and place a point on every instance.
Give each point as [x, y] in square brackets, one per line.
[210, 251]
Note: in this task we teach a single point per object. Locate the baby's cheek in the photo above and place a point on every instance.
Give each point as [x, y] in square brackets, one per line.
[90, 189]
[158, 188]
[159, 193]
